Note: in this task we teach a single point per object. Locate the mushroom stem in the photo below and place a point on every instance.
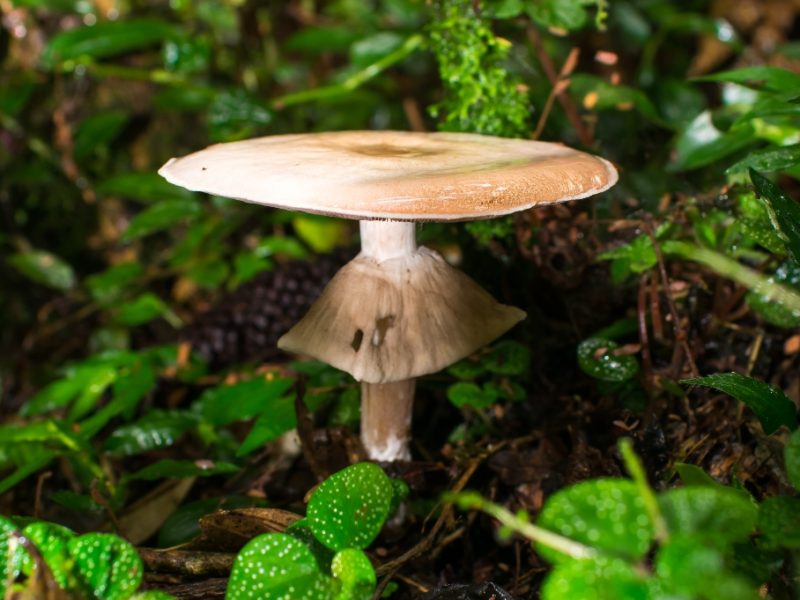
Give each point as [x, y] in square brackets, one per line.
[386, 408]
[386, 419]
[382, 240]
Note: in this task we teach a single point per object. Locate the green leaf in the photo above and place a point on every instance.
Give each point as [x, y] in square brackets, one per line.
[97, 131]
[105, 39]
[108, 566]
[7, 571]
[126, 393]
[43, 267]
[687, 569]
[560, 14]
[607, 514]
[277, 418]
[322, 234]
[228, 403]
[152, 595]
[786, 211]
[85, 381]
[779, 521]
[639, 255]
[275, 566]
[600, 578]
[596, 358]
[109, 285]
[701, 143]
[52, 541]
[349, 508]
[143, 309]
[772, 407]
[157, 429]
[148, 187]
[161, 216]
[791, 456]
[372, 48]
[355, 574]
[183, 468]
[717, 517]
[466, 393]
[770, 79]
[507, 358]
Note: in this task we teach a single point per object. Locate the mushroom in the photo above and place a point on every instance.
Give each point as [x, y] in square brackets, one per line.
[397, 311]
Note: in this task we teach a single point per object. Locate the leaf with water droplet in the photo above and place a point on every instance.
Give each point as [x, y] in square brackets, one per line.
[596, 358]
[349, 508]
[607, 514]
[275, 566]
[108, 566]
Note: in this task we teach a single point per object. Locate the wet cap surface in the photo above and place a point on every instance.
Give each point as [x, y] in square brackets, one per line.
[393, 174]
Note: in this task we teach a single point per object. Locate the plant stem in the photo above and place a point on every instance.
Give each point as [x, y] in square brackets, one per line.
[533, 532]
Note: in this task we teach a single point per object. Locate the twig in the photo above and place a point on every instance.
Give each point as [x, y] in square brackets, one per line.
[564, 99]
[188, 562]
[559, 87]
[641, 311]
[681, 336]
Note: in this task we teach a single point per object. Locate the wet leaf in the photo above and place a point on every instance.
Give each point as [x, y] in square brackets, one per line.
[353, 571]
[607, 514]
[276, 566]
[772, 407]
[770, 160]
[786, 211]
[779, 521]
[349, 508]
[788, 274]
[716, 517]
[43, 267]
[107, 565]
[596, 358]
[157, 429]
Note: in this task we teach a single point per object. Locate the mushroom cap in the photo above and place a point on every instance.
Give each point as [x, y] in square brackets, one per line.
[398, 175]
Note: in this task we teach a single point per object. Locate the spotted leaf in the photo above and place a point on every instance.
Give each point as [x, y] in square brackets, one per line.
[52, 541]
[596, 357]
[108, 566]
[715, 516]
[355, 575]
[276, 566]
[7, 528]
[349, 508]
[607, 514]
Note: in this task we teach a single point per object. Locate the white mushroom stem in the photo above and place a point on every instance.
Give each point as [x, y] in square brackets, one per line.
[386, 408]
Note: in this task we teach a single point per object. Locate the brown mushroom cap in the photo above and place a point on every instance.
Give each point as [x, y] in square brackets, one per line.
[395, 175]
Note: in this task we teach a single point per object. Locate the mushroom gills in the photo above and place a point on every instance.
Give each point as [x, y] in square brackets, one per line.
[388, 320]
